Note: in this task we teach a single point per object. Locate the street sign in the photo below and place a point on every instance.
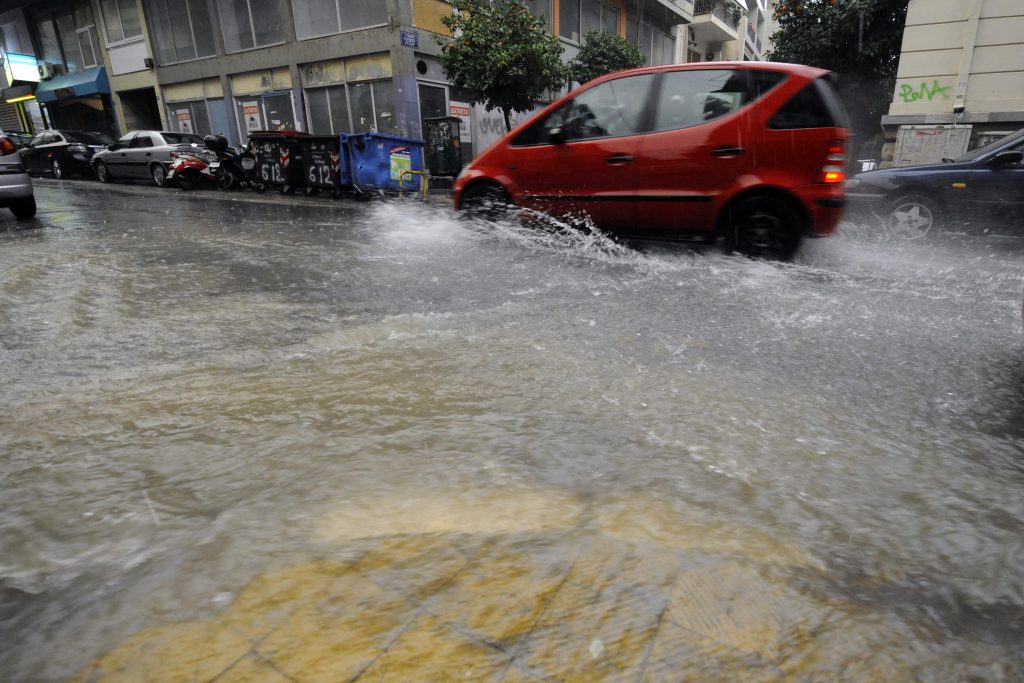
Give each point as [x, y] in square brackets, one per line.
[411, 39]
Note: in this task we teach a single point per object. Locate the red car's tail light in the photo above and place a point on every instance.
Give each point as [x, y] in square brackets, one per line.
[834, 170]
[7, 147]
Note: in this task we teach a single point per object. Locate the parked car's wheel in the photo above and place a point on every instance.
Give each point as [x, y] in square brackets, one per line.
[102, 173]
[486, 200]
[911, 217]
[159, 174]
[57, 169]
[763, 227]
[24, 208]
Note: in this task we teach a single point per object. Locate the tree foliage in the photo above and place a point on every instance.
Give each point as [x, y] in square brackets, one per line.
[501, 55]
[859, 40]
[602, 53]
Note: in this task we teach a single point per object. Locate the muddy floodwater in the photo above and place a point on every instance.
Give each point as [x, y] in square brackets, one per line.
[327, 441]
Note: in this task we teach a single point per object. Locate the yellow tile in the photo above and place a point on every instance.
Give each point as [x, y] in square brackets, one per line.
[430, 651]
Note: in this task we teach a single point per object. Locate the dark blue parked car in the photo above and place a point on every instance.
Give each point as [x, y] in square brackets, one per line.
[984, 187]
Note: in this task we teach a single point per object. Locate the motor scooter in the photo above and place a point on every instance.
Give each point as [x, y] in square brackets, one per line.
[191, 169]
[233, 168]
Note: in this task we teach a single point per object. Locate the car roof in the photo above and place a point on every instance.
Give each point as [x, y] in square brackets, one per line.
[809, 72]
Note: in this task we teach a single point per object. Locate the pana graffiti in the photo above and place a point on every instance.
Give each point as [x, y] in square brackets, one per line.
[924, 91]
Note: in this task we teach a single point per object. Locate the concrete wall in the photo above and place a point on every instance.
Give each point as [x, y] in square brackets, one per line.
[961, 57]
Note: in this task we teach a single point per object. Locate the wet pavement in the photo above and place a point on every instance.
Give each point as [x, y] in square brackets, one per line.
[250, 438]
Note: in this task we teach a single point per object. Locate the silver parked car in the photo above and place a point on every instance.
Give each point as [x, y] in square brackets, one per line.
[15, 185]
[142, 155]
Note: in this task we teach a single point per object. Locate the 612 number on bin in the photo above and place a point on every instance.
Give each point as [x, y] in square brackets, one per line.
[319, 175]
[271, 173]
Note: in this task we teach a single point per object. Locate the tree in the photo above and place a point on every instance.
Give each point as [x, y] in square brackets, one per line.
[501, 55]
[859, 40]
[602, 53]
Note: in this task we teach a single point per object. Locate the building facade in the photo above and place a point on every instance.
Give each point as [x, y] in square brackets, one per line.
[321, 66]
[960, 81]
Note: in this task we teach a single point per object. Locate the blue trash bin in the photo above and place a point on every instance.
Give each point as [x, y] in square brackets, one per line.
[378, 159]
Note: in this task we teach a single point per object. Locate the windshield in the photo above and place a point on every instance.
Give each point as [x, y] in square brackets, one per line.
[981, 151]
[182, 138]
[87, 138]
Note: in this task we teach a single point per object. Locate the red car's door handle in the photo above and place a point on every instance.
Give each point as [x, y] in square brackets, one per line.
[728, 151]
[620, 159]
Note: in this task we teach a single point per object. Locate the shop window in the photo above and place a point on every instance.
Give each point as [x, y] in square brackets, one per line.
[272, 111]
[120, 20]
[328, 110]
[373, 107]
[189, 117]
[181, 29]
[315, 18]
[250, 23]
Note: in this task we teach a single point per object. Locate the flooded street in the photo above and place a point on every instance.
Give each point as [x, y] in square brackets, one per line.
[499, 454]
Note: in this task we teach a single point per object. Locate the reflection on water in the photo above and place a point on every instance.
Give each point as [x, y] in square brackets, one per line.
[477, 449]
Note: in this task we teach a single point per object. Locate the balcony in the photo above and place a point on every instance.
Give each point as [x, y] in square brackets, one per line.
[715, 21]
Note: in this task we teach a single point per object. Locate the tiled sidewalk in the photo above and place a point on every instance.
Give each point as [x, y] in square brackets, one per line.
[577, 595]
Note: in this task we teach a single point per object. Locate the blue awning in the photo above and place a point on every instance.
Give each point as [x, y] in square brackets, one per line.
[79, 84]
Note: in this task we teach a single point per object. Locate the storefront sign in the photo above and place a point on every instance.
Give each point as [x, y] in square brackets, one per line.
[19, 67]
[184, 120]
[64, 93]
[465, 112]
[251, 113]
[411, 39]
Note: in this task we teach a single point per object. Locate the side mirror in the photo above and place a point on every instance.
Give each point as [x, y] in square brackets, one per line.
[1006, 158]
[557, 135]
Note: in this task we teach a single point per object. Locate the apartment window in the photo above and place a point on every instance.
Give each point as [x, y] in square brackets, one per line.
[250, 23]
[120, 20]
[323, 17]
[577, 18]
[181, 29]
[77, 32]
[48, 41]
[655, 45]
[539, 9]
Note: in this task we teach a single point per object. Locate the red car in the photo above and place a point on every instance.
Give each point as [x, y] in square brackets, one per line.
[751, 151]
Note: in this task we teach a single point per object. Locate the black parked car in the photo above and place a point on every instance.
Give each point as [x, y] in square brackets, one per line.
[63, 152]
[984, 187]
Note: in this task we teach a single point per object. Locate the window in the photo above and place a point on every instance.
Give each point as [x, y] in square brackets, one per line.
[181, 29]
[48, 41]
[189, 117]
[577, 18]
[88, 138]
[182, 139]
[611, 109]
[120, 20]
[657, 46]
[141, 140]
[328, 110]
[78, 36]
[373, 107]
[250, 23]
[807, 109]
[541, 9]
[689, 98]
[323, 17]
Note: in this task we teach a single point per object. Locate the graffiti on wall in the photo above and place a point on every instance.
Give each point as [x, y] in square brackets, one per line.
[924, 91]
